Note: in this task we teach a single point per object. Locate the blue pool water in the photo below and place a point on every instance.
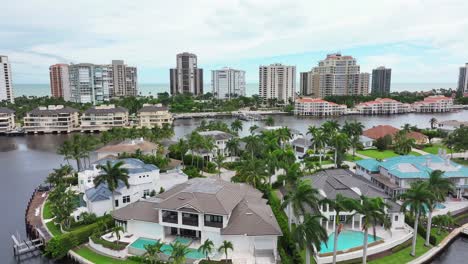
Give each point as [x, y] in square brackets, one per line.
[346, 240]
[140, 243]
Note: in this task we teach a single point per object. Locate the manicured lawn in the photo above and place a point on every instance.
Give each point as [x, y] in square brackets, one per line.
[47, 213]
[435, 149]
[403, 256]
[53, 228]
[441, 236]
[461, 161]
[349, 157]
[376, 154]
[90, 255]
[414, 153]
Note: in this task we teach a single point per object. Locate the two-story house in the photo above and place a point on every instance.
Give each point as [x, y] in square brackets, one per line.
[206, 208]
[154, 115]
[220, 140]
[104, 117]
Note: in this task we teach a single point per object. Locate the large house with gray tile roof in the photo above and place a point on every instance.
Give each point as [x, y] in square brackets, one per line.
[206, 208]
[104, 117]
[51, 119]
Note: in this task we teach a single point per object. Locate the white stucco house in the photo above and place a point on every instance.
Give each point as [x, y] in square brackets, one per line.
[366, 142]
[207, 208]
[143, 179]
[220, 140]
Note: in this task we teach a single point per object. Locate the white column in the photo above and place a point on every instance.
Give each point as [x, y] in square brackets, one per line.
[360, 222]
[352, 224]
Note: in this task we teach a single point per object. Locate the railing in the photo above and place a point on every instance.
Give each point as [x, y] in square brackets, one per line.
[191, 221]
[170, 219]
[214, 224]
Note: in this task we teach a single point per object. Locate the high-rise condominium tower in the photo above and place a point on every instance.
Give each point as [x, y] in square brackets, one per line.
[124, 80]
[6, 87]
[90, 83]
[59, 81]
[186, 77]
[228, 83]
[463, 79]
[336, 75]
[381, 79]
[277, 81]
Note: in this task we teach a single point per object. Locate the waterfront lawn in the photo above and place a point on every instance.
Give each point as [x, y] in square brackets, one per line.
[435, 149]
[441, 236]
[47, 213]
[461, 161]
[96, 258]
[403, 256]
[376, 154]
[54, 228]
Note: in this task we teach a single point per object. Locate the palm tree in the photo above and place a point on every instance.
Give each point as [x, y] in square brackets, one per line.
[283, 134]
[403, 144]
[450, 142]
[406, 127]
[112, 174]
[339, 204]
[153, 251]
[252, 144]
[252, 129]
[66, 150]
[373, 212]
[206, 248]
[219, 159]
[416, 200]
[292, 174]
[272, 164]
[320, 141]
[233, 146]
[225, 247]
[179, 252]
[433, 121]
[117, 230]
[340, 142]
[269, 121]
[236, 126]
[354, 131]
[56, 177]
[253, 172]
[313, 131]
[330, 127]
[309, 234]
[301, 197]
[439, 186]
[182, 147]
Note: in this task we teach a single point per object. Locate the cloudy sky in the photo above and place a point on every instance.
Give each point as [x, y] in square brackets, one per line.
[422, 41]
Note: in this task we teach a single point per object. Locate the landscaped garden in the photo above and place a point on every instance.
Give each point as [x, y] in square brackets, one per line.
[96, 258]
[403, 256]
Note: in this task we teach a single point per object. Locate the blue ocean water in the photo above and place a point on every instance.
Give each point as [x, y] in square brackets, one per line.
[251, 88]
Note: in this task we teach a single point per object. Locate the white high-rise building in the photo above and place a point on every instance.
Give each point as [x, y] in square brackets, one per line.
[336, 75]
[6, 86]
[90, 83]
[277, 81]
[463, 79]
[228, 83]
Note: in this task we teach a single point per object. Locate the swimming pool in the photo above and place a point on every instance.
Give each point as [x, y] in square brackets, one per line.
[167, 249]
[346, 240]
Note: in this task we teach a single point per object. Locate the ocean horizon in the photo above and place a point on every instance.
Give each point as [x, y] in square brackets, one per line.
[147, 89]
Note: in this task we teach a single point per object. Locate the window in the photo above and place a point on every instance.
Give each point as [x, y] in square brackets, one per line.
[331, 218]
[116, 203]
[146, 192]
[342, 218]
[126, 199]
[396, 218]
[213, 220]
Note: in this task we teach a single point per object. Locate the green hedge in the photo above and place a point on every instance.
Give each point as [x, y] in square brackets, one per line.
[421, 229]
[59, 246]
[107, 244]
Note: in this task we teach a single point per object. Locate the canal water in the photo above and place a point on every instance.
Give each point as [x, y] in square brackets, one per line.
[26, 161]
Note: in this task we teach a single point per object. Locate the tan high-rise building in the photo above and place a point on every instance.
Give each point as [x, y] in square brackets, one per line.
[335, 75]
[277, 81]
[59, 81]
[124, 79]
[186, 78]
[6, 86]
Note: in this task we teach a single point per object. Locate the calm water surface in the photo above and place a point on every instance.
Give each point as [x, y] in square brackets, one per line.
[26, 161]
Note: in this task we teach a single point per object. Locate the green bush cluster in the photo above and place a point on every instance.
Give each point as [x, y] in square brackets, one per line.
[59, 246]
[421, 229]
[107, 244]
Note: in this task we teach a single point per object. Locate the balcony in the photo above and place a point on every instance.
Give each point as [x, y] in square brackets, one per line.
[214, 221]
[170, 217]
[189, 219]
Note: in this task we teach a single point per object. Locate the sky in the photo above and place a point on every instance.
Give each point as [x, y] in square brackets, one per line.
[422, 41]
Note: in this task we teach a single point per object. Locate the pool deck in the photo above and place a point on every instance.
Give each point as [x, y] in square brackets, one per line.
[451, 206]
[391, 239]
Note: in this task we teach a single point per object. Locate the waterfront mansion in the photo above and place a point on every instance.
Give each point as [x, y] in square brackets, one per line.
[395, 175]
[220, 140]
[143, 180]
[207, 208]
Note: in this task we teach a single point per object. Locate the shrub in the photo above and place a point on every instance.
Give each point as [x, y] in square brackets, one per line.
[421, 229]
[192, 172]
[107, 244]
[383, 143]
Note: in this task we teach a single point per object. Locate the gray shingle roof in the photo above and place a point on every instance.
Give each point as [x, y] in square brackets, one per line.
[152, 108]
[117, 109]
[131, 164]
[217, 135]
[140, 210]
[5, 110]
[301, 142]
[64, 110]
[101, 192]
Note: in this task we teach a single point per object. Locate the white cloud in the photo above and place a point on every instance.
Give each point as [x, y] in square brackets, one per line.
[149, 33]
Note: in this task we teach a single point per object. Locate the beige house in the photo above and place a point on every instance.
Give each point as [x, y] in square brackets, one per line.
[154, 115]
[103, 117]
[51, 119]
[7, 119]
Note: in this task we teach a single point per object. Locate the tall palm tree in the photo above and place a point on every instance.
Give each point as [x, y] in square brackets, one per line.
[179, 252]
[373, 212]
[206, 248]
[182, 147]
[320, 141]
[406, 127]
[403, 143]
[417, 200]
[340, 142]
[339, 204]
[253, 172]
[236, 126]
[354, 131]
[313, 131]
[111, 175]
[292, 174]
[252, 129]
[233, 146]
[330, 127]
[152, 252]
[225, 247]
[450, 142]
[272, 164]
[433, 121]
[252, 144]
[56, 177]
[300, 198]
[439, 186]
[117, 231]
[270, 121]
[219, 159]
[283, 135]
[309, 234]
[66, 150]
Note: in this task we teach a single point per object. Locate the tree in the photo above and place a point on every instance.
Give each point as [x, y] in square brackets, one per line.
[299, 198]
[269, 121]
[354, 131]
[111, 175]
[63, 203]
[460, 138]
[253, 172]
[339, 204]
[283, 134]
[309, 234]
[373, 212]
[320, 141]
[236, 126]
[439, 186]
[179, 252]
[433, 121]
[225, 247]
[403, 144]
[292, 174]
[252, 129]
[330, 127]
[384, 142]
[313, 131]
[153, 251]
[233, 146]
[450, 143]
[252, 144]
[74, 149]
[416, 200]
[406, 127]
[117, 230]
[219, 159]
[206, 248]
[56, 177]
[340, 142]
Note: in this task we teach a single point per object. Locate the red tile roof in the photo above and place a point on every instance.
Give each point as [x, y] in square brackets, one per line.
[380, 131]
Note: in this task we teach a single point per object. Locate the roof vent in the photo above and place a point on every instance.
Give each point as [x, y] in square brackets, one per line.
[181, 198]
